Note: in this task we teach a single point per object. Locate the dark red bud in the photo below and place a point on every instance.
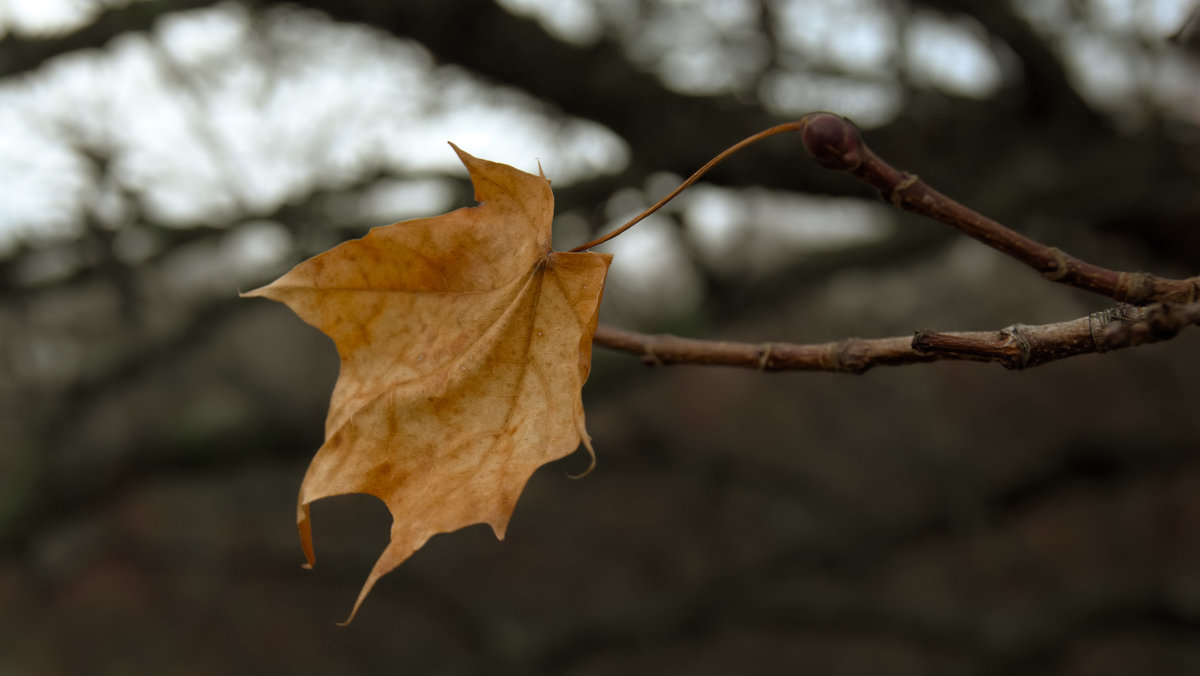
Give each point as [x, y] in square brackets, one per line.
[833, 141]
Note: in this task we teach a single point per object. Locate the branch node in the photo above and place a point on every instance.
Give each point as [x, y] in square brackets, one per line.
[764, 362]
[1162, 321]
[1150, 324]
[1024, 350]
[847, 356]
[1019, 346]
[1134, 287]
[1105, 324]
[1062, 264]
[649, 357]
[920, 341]
[1097, 323]
[897, 198]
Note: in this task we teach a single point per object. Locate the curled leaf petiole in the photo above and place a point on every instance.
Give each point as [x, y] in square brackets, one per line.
[797, 125]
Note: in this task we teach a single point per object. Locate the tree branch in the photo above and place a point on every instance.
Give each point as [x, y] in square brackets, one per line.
[20, 54]
[1046, 85]
[835, 143]
[1014, 347]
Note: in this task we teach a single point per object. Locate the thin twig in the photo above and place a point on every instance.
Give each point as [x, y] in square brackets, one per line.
[1015, 347]
[835, 143]
[1157, 308]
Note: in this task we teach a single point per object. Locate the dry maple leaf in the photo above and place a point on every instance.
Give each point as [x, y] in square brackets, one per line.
[464, 344]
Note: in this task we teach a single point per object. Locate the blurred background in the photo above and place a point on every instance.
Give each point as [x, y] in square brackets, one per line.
[158, 157]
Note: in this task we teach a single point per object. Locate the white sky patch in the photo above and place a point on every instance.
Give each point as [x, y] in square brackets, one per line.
[213, 118]
[1118, 57]
[217, 116]
[505, 127]
[256, 246]
[857, 36]
[652, 278]
[1111, 75]
[202, 36]
[28, 158]
[1153, 19]
[951, 54]
[392, 200]
[575, 21]
[1144, 19]
[699, 46]
[47, 18]
[753, 232]
[840, 55]
[43, 17]
[868, 103]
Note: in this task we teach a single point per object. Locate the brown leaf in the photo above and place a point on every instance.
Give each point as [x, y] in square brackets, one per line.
[464, 343]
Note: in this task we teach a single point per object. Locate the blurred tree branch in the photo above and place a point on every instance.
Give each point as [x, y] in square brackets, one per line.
[20, 54]
[600, 83]
[1048, 92]
[1028, 153]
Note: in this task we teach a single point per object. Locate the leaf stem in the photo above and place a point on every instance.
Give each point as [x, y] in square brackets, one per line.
[797, 125]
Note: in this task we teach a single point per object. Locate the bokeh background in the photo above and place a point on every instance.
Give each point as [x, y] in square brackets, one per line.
[158, 157]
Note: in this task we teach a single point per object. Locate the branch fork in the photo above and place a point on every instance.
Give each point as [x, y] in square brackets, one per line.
[1149, 309]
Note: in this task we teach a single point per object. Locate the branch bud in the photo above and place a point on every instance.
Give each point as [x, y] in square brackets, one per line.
[833, 141]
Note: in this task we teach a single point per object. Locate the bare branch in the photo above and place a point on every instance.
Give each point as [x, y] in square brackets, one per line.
[835, 143]
[1015, 347]
[850, 355]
